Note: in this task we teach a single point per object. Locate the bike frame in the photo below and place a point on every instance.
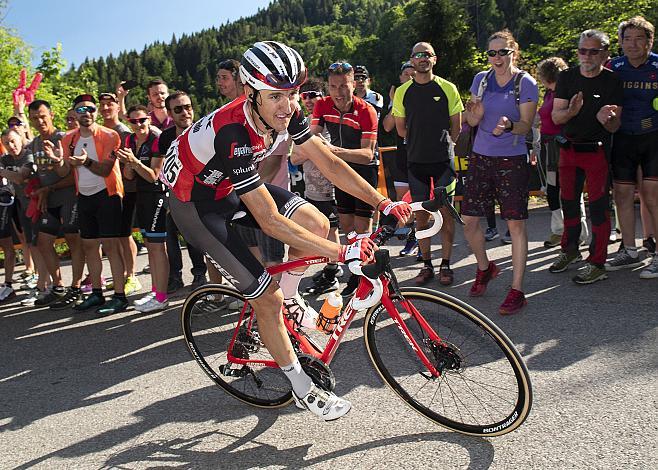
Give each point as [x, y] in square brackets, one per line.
[326, 354]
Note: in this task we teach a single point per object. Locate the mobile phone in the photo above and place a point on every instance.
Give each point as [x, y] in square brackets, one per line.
[129, 84]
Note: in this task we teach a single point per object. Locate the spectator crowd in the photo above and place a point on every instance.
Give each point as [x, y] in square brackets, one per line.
[593, 131]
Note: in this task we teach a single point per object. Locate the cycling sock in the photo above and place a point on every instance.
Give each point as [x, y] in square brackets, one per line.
[289, 283]
[445, 262]
[428, 263]
[301, 383]
[160, 296]
[98, 292]
[153, 289]
[121, 296]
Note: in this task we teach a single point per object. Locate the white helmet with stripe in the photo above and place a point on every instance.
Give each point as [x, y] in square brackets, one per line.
[270, 65]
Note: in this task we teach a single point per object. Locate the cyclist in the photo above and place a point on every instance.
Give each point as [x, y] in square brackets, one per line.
[211, 169]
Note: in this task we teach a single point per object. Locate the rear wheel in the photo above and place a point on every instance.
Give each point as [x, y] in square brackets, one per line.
[484, 387]
[210, 317]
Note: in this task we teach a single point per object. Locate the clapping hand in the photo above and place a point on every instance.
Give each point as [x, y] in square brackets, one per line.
[607, 113]
[78, 160]
[56, 154]
[576, 103]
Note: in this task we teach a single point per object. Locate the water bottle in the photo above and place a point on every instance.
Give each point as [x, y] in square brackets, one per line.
[330, 312]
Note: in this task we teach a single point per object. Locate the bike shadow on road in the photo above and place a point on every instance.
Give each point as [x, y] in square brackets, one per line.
[207, 441]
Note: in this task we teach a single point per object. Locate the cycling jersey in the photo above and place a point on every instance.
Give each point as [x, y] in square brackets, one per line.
[347, 129]
[145, 154]
[219, 153]
[640, 89]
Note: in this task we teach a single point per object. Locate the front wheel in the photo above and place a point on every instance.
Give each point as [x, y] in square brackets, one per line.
[483, 388]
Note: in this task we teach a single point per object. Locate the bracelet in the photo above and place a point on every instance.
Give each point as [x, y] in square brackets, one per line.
[379, 203]
[511, 126]
[87, 163]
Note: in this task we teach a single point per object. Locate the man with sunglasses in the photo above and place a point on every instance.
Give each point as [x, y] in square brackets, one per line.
[635, 146]
[588, 104]
[211, 168]
[427, 113]
[352, 125]
[90, 154]
[179, 107]
[59, 211]
[363, 91]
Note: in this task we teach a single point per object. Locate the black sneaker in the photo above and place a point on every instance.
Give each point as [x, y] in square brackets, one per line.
[324, 283]
[72, 297]
[115, 305]
[50, 297]
[174, 284]
[650, 245]
[198, 281]
[350, 288]
[338, 273]
[93, 300]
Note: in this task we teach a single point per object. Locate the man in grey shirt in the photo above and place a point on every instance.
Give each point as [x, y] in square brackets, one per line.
[58, 203]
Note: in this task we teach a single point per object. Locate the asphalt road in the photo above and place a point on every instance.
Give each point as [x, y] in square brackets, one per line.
[77, 391]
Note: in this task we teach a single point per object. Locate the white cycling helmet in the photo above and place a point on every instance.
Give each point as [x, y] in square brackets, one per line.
[270, 65]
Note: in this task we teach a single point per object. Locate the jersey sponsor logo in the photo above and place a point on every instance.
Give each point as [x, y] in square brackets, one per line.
[244, 150]
[436, 98]
[211, 178]
[242, 171]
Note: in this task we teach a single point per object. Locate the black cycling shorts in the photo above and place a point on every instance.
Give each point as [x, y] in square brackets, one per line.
[348, 204]
[152, 216]
[8, 216]
[420, 175]
[100, 215]
[395, 163]
[64, 218]
[209, 226]
[128, 214]
[328, 209]
[632, 151]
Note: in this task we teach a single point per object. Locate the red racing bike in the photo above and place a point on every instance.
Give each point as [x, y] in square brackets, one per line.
[443, 357]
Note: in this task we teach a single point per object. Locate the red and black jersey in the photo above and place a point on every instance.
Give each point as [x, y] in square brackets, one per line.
[145, 153]
[347, 129]
[219, 153]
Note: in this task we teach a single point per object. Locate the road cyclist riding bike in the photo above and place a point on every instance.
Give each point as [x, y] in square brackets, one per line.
[211, 170]
[445, 359]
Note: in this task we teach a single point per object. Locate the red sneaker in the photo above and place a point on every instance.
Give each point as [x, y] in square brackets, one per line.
[482, 278]
[513, 303]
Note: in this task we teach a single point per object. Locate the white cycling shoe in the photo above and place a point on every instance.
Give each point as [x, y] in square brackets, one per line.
[326, 405]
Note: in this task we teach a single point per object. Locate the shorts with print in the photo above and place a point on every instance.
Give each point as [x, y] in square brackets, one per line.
[152, 216]
[328, 209]
[64, 218]
[502, 179]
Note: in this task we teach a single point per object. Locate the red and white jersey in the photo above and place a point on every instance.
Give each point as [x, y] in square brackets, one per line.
[219, 153]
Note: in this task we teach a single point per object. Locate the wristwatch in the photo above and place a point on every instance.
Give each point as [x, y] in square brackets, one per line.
[509, 127]
[87, 163]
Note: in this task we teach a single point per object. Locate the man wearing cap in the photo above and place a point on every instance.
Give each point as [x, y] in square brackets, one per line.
[108, 105]
[363, 91]
[427, 114]
[59, 212]
[20, 126]
[89, 153]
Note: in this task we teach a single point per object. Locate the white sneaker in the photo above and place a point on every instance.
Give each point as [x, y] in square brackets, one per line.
[31, 298]
[143, 300]
[324, 404]
[6, 292]
[299, 309]
[152, 306]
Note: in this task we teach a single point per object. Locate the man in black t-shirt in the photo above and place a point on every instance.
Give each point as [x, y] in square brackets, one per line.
[587, 104]
[427, 113]
[180, 108]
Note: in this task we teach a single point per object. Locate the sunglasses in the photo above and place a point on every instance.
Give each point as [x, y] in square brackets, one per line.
[340, 67]
[138, 120]
[422, 55]
[500, 52]
[15, 124]
[590, 52]
[308, 95]
[179, 109]
[360, 78]
[85, 109]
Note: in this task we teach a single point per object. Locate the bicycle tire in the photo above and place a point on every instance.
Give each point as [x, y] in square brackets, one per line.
[208, 332]
[489, 366]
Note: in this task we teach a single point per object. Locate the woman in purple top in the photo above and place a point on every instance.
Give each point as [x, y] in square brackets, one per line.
[547, 72]
[503, 105]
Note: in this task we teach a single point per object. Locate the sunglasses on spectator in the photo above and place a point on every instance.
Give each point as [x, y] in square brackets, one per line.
[340, 67]
[591, 52]
[85, 109]
[308, 95]
[138, 120]
[360, 78]
[422, 55]
[15, 124]
[179, 109]
[500, 52]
